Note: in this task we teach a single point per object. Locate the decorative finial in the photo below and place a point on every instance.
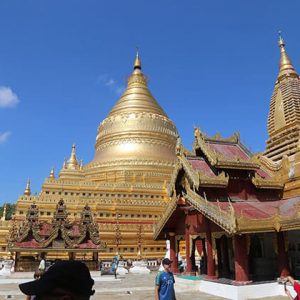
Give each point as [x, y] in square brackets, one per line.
[52, 175]
[4, 212]
[27, 191]
[137, 62]
[73, 162]
[81, 164]
[65, 163]
[286, 67]
[281, 41]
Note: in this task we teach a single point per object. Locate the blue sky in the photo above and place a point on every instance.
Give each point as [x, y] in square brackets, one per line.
[63, 64]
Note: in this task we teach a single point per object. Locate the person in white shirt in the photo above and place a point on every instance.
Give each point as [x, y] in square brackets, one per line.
[42, 265]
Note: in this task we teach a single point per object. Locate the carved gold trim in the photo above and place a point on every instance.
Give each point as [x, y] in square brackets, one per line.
[217, 159]
[262, 183]
[165, 217]
[225, 219]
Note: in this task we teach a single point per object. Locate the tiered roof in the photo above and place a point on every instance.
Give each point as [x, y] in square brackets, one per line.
[60, 234]
[215, 165]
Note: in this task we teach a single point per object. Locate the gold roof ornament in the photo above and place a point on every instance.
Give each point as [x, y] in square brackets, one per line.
[52, 175]
[27, 191]
[137, 62]
[285, 65]
[72, 163]
[3, 218]
[65, 163]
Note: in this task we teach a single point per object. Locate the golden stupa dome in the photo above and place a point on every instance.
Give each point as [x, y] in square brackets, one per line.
[137, 130]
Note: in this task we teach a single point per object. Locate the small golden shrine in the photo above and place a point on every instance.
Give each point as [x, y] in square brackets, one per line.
[33, 236]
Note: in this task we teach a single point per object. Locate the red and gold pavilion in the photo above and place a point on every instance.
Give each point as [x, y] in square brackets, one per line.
[240, 212]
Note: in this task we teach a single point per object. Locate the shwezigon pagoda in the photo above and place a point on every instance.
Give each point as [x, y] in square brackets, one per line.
[240, 211]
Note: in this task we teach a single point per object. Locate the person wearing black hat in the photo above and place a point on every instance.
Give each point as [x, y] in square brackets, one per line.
[65, 280]
[164, 282]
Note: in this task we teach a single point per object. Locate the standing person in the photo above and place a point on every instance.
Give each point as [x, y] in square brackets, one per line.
[296, 287]
[66, 280]
[42, 265]
[164, 282]
[114, 266]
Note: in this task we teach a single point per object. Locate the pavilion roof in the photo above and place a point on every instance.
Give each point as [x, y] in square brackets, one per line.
[239, 216]
[59, 234]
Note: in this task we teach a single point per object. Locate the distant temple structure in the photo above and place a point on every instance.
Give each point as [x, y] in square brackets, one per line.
[59, 235]
[237, 212]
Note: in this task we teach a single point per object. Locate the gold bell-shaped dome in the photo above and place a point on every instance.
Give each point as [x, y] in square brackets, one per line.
[136, 131]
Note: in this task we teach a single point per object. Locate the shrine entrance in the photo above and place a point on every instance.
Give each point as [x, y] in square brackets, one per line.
[199, 256]
[225, 257]
[263, 262]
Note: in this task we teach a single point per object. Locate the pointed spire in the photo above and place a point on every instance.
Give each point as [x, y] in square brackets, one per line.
[137, 62]
[65, 163]
[52, 175]
[4, 212]
[73, 162]
[27, 191]
[285, 66]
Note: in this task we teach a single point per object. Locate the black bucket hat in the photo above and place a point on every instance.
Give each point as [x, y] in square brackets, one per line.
[166, 261]
[73, 276]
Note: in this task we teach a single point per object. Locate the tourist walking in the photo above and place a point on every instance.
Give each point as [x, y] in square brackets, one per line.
[70, 280]
[295, 285]
[42, 265]
[164, 282]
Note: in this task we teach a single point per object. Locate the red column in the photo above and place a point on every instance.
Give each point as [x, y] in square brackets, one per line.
[187, 250]
[241, 258]
[283, 263]
[173, 256]
[210, 258]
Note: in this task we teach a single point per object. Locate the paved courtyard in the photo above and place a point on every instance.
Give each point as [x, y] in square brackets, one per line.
[131, 287]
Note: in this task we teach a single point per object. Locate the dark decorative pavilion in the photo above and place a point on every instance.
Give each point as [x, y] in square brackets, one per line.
[40, 237]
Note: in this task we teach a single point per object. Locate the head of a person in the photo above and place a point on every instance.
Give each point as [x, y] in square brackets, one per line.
[65, 280]
[167, 264]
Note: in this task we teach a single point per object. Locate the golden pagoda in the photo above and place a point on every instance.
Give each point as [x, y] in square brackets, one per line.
[284, 114]
[125, 184]
[282, 153]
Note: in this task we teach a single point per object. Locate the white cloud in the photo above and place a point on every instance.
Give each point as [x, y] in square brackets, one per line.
[111, 83]
[4, 136]
[7, 97]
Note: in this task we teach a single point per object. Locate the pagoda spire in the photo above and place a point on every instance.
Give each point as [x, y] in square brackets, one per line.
[137, 62]
[284, 113]
[4, 212]
[72, 163]
[52, 175]
[27, 191]
[65, 163]
[285, 65]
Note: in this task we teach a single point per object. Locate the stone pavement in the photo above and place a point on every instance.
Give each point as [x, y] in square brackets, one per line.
[130, 287]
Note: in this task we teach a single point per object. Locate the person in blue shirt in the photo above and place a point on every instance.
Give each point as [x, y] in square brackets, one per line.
[164, 282]
[114, 266]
